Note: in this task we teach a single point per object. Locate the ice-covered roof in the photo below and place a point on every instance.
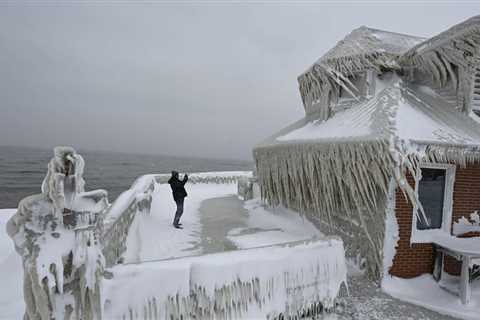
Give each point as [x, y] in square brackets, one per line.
[367, 43]
[469, 27]
[363, 49]
[366, 40]
[411, 114]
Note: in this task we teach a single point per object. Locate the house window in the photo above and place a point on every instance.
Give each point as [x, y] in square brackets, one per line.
[435, 193]
[359, 83]
[431, 193]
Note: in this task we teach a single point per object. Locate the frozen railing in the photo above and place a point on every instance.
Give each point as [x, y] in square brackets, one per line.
[209, 177]
[276, 282]
[138, 198]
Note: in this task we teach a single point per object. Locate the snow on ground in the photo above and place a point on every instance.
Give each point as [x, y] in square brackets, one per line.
[367, 302]
[266, 226]
[153, 237]
[425, 291]
[11, 292]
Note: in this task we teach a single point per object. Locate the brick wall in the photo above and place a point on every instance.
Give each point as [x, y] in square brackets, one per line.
[416, 259]
[410, 260]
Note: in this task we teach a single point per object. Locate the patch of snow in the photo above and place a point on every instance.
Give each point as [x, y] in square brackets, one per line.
[153, 237]
[414, 124]
[469, 246]
[464, 225]
[344, 124]
[11, 294]
[425, 291]
[273, 226]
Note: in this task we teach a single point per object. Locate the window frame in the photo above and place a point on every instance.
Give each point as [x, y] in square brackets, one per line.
[368, 88]
[425, 236]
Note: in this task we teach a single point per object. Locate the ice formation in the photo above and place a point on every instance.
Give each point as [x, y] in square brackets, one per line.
[57, 235]
[450, 57]
[336, 164]
[268, 283]
[464, 225]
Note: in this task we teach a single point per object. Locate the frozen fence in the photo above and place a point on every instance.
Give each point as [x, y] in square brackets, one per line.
[277, 282]
[209, 177]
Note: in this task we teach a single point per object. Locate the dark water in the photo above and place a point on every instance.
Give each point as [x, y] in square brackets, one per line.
[22, 170]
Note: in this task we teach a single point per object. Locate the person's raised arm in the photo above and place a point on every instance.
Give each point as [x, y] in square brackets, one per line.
[185, 179]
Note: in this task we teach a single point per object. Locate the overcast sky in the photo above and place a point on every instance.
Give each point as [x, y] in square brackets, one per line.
[205, 80]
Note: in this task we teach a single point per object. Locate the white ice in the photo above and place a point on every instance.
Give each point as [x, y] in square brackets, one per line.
[273, 225]
[424, 291]
[11, 294]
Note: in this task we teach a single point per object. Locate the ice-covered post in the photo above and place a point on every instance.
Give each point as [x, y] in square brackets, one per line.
[56, 233]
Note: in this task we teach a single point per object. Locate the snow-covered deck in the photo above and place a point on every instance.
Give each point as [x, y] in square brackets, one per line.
[214, 220]
[227, 247]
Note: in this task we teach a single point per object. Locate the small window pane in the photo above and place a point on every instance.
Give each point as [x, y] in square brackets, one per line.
[431, 191]
[358, 82]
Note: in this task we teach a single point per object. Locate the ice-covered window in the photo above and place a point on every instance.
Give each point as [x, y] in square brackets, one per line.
[361, 84]
[431, 193]
[358, 82]
[435, 193]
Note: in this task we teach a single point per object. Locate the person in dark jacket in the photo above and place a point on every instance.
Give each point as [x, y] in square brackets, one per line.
[179, 194]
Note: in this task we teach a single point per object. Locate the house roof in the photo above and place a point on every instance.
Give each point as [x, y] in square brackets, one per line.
[364, 42]
[407, 113]
[469, 27]
[364, 48]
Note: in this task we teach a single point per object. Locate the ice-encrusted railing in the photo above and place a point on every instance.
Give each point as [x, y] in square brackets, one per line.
[138, 199]
[299, 280]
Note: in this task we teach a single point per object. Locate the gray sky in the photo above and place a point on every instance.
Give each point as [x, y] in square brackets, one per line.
[207, 80]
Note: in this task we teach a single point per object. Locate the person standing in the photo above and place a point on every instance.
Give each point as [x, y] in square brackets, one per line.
[179, 194]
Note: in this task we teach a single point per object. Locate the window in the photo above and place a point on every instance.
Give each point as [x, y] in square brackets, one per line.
[435, 193]
[358, 82]
[431, 193]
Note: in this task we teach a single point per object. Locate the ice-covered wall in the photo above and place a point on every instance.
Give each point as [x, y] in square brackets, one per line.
[120, 215]
[265, 283]
[56, 234]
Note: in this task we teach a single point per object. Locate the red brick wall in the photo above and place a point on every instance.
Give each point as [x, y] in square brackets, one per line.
[466, 192]
[416, 259]
[410, 260]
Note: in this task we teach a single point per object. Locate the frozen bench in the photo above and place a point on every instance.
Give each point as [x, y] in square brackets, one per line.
[463, 249]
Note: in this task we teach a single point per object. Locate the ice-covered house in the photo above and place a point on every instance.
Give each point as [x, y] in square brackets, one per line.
[387, 155]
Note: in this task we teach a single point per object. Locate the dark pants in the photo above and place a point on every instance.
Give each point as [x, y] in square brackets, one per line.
[179, 212]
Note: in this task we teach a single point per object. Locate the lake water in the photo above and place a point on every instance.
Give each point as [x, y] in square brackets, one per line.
[22, 170]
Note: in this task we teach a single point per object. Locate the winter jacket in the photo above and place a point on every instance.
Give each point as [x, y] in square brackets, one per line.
[178, 187]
